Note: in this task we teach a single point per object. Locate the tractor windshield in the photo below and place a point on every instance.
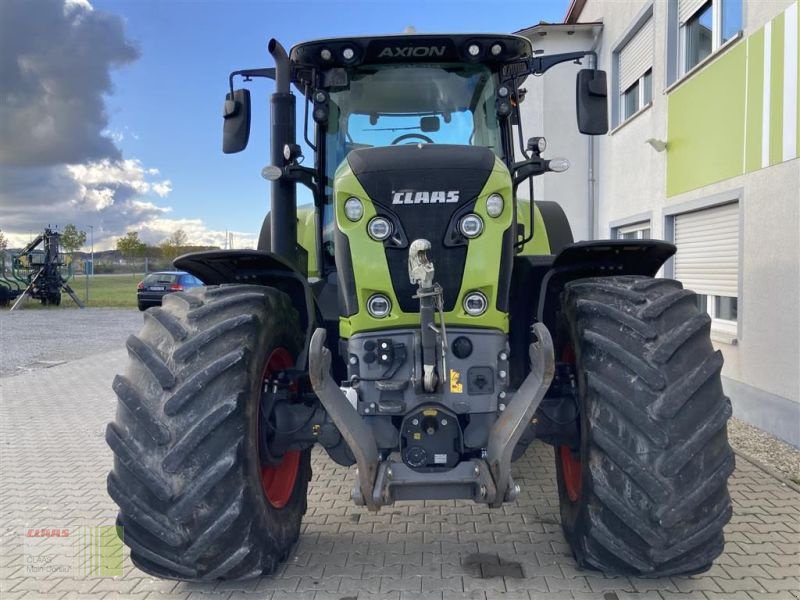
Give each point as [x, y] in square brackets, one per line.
[412, 104]
[385, 105]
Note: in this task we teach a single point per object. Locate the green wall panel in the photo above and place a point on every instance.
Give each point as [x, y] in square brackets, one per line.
[705, 126]
[776, 92]
[755, 99]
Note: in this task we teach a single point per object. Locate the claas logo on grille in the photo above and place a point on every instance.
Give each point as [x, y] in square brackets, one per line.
[421, 197]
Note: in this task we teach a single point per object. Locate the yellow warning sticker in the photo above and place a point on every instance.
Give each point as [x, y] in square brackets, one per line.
[456, 387]
[417, 436]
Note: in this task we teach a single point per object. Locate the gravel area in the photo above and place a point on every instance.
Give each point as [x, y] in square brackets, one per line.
[36, 339]
[771, 452]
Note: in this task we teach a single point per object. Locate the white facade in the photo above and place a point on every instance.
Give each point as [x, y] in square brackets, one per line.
[642, 185]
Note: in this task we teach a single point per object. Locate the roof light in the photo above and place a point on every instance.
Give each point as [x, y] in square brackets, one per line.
[325, 54]
[474, 50]
[348, 53]
[496, 49]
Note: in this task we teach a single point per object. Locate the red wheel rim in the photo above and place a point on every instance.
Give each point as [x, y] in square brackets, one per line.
[570, 472]
[570, 467]
[278, 481]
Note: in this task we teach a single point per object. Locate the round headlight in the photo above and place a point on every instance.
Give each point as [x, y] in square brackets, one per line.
[474, 49]
[475, 303]
[325, 54]
[379, 228]
[353, 209]
[348, 53]
[496, 49]
[378, 306]
[471, 226]
[494, 205]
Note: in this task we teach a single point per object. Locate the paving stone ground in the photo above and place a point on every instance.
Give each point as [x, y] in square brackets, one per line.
[54, 461]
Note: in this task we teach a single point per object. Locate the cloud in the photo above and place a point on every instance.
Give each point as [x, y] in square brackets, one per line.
[55, 68]
[59, 161]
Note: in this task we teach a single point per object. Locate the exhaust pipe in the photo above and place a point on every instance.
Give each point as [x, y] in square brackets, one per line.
[283, 220]
[281, 59]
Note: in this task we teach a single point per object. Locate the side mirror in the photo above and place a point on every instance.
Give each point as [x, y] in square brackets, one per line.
[592, 102]
[236, 128]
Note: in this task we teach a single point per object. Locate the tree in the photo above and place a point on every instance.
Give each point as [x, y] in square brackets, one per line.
[72, 239]
[179, 239]
[3, 241]
[131, 246]
[173, 246]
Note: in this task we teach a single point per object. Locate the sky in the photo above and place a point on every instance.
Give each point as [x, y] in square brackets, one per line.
[111, 111]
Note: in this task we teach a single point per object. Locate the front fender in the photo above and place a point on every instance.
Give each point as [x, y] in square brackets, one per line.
[256, 267]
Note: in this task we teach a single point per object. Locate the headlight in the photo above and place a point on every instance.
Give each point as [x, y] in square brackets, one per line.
[353, 209]
[471, 226]
[378, 306]
[475, 304]
[379, 228]
[494, 205]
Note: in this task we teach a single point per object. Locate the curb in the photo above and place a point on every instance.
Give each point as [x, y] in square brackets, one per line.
[769, 471]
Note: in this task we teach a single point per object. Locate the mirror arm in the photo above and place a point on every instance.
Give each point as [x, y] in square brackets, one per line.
[538, 65]
[267, 73]
[303, 175]
[528, 168]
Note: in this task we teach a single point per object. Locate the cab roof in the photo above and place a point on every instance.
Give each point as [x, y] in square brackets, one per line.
[491, 49]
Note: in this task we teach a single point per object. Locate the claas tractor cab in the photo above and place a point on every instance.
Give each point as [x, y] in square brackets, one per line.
[422, 322]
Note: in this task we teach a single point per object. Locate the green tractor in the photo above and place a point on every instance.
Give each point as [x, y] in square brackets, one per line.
[420, 322]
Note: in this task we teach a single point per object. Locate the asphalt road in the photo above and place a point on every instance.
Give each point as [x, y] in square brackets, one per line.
[36, 339]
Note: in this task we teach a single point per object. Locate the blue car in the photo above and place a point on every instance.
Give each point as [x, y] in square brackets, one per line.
[153, 287]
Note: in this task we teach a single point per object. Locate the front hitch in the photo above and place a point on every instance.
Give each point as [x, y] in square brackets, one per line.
[355, 431]
[508, 429]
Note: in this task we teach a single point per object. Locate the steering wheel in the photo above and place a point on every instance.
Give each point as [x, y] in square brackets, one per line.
[412, 136]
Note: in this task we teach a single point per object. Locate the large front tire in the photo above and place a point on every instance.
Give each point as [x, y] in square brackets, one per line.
[646, 493]
[187, 474]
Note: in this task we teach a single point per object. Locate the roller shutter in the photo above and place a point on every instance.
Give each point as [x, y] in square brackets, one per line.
[707, 260]
[686, 8]
[636, 57]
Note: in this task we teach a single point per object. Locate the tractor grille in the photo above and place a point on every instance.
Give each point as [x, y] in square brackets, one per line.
[418, 173]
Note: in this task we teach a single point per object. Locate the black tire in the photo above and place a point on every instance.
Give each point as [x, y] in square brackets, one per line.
[654, 459]
[142, 306]
[186, 473]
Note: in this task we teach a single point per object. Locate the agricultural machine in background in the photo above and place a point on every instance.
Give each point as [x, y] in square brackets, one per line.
[40, 272]
[421, 322]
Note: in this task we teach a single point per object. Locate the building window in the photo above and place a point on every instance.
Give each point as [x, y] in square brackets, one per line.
[723, 310]
[633, 63]
[707, 261]
[637, 96]
[703, 27]
[634, 231]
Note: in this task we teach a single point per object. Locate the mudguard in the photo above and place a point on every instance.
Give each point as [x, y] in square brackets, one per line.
[217, 267]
